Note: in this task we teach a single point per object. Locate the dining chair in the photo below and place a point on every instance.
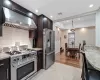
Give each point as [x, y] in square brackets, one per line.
[66, 49]
[78, 52]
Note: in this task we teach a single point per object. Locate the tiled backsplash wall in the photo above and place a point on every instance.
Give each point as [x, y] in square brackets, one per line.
[12, 35]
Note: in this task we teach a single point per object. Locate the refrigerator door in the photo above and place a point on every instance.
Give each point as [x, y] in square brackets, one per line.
[48, 47]
[49, 37]
[50, 59]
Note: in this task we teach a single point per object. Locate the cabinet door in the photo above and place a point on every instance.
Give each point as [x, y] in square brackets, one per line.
[4, 69]
[45, 22]
[3, 72]
[40, 60]
[1, 21]
[50, 24]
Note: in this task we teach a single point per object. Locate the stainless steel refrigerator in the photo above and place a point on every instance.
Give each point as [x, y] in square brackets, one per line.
[48, 47]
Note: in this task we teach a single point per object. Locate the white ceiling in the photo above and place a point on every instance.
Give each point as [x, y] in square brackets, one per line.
[53, 7]
[87, 21]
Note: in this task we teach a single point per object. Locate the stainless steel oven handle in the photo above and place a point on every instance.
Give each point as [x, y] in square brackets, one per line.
[7, 74]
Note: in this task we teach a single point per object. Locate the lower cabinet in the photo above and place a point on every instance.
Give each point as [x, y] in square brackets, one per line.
[39, 60]
[4, 69]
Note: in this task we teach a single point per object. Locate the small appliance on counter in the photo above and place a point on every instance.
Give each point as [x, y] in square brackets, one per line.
[48, 47]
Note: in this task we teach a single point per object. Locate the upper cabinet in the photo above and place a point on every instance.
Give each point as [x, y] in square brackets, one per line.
[98, 28]
[45, 22]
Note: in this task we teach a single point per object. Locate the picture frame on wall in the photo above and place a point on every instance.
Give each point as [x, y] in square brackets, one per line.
[65, 36]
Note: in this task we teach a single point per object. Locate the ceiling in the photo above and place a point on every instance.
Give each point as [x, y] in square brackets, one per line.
[53, 7]
[87, 21]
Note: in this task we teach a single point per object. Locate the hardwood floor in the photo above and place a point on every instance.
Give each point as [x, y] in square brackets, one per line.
[61, 58]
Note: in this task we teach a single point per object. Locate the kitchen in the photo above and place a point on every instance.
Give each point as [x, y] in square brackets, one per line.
[21, 42]
[30, 40]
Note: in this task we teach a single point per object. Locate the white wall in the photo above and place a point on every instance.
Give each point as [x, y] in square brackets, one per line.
[12, 35]
[87, 34]
[98, 28]
[57, 39]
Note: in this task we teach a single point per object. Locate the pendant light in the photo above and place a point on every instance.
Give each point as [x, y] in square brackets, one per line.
[73, 29]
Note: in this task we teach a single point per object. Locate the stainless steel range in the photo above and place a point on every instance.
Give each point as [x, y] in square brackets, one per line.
[23, 64]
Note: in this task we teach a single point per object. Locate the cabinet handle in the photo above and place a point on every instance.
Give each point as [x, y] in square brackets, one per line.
[7, 74]
[1, 64]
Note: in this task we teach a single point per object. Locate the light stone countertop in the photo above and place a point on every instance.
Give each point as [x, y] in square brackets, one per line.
[93, 57]
[4, 56]
[36, 49]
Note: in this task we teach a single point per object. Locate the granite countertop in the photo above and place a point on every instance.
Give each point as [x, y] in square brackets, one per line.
[4, 56]
[93, 57]
[36, 49]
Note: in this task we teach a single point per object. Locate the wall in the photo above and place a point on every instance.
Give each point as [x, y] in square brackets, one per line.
[87, 34]
[12, 35]
[57, 39]
[98, 28]
[63, 39]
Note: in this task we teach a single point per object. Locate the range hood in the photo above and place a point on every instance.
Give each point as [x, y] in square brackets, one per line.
[13, 19]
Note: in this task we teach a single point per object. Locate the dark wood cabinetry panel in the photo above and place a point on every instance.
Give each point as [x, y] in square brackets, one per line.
[39, 60]
[43, 22]
[32, 34]
[5, 69]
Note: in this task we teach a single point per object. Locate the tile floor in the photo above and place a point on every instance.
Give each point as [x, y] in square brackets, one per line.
[59, 71]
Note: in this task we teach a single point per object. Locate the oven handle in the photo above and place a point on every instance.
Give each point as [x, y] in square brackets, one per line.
[27, 63]
[7, 74]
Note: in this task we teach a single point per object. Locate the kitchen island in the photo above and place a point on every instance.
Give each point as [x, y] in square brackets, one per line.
[93, 57]
[91, 64]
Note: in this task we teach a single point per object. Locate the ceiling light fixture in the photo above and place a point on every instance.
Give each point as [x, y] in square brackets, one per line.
[79, 19]
[30, 14]
[73, 29]
[67, 20]
[69, 31]
[91, 5]
[7, 2]
[36, 11]
[51, 16]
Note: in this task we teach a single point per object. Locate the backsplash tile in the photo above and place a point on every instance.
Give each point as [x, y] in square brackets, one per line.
[13, 35]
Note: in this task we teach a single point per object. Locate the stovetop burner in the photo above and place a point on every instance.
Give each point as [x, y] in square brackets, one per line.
[13, 53]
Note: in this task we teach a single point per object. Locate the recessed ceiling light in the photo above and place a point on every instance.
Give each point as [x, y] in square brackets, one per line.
[79, 19]
[45, 19]
[51, 16]
[91, 5]
[67, 20]
[8, 2]
[36, 11]
[30, 14]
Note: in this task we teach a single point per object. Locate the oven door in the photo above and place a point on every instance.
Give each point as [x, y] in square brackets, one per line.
[27, 70]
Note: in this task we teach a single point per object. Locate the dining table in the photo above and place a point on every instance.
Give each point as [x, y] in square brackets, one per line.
[73, 51]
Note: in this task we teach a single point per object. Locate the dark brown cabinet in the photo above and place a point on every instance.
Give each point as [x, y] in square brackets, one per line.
[1, 18]
[4, 69]
[39, 60]
[32, 33]
[43, 22]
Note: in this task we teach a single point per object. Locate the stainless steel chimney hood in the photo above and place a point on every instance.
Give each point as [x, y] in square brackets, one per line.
[13, 19]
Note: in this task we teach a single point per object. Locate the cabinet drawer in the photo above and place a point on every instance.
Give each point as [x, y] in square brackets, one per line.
[4, 63]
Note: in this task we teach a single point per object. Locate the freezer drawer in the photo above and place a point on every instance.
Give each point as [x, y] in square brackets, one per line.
[50, 59]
